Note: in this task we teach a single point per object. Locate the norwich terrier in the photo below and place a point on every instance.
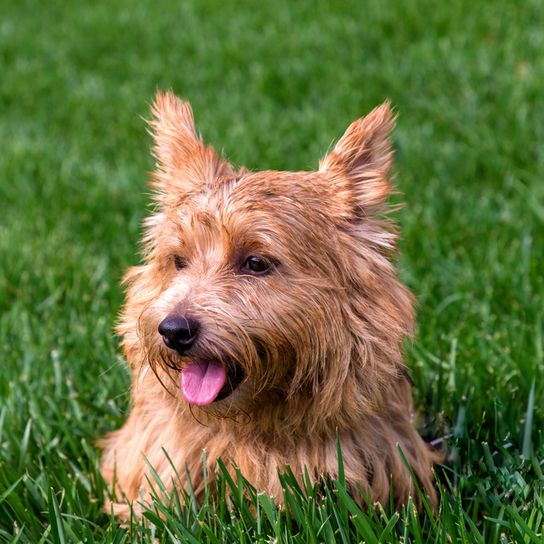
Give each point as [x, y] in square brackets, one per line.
[266, 320]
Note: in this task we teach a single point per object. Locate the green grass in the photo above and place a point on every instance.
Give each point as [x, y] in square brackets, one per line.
[272, 85]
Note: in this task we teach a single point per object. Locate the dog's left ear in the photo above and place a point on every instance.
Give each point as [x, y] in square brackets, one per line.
[184, 162]
[360, 162]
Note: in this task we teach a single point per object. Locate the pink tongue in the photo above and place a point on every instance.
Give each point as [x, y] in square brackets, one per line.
[201, 381]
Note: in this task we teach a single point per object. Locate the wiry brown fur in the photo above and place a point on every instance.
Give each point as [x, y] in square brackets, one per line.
[320, 338]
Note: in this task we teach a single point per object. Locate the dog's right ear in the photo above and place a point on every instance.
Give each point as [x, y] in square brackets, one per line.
[184, 162]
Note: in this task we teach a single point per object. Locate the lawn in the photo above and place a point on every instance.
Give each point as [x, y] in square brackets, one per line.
[272, 84]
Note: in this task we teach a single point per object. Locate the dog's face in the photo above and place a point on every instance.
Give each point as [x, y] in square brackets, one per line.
[269, 283]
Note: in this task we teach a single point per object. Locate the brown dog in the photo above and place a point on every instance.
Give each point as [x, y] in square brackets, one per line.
[266, 318]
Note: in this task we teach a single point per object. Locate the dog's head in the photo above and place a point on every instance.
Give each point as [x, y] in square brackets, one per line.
[269, 284]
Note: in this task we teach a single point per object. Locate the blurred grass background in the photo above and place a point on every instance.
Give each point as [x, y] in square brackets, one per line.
[272, 84]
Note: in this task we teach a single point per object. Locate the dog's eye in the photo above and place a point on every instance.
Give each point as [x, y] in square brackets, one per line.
[179, 262]
[256, 266]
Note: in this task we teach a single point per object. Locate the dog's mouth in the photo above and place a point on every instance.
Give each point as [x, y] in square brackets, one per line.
[205, 381]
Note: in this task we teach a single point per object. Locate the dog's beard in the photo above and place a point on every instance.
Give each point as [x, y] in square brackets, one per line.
[255, 360]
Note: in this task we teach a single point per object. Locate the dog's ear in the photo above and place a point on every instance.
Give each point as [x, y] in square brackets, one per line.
[184, 162]
[360, 162]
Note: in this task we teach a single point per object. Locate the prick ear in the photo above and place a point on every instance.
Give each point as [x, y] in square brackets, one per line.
[172, 128]
[361, 160]
[183, 160]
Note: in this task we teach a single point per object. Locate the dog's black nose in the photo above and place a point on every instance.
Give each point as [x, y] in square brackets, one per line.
[179, 332]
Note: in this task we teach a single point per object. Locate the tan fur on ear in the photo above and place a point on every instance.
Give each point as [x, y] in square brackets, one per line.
[362, 158]
[184, 162]
[173, 129]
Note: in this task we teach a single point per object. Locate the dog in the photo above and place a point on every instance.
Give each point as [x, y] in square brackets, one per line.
[266, 322]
